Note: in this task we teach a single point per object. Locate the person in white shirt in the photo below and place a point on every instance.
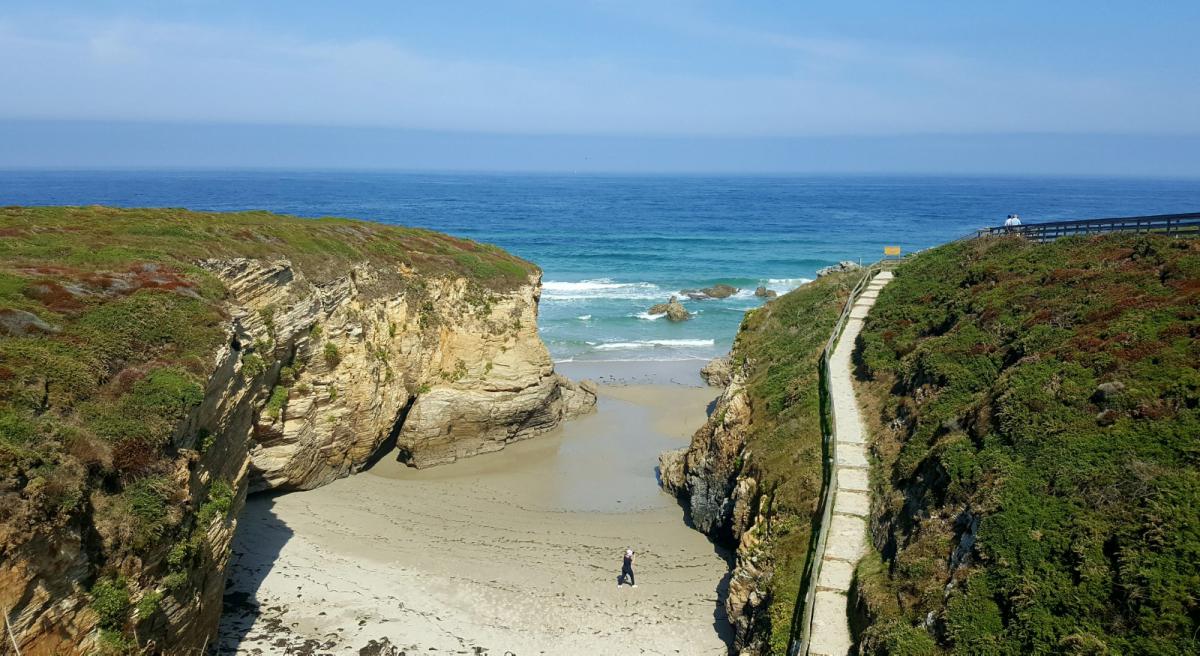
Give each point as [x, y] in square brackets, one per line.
[627, 568]
[1012, 221]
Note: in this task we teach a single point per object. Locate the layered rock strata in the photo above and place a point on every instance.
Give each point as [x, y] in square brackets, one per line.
[313, 382]
[435, 370]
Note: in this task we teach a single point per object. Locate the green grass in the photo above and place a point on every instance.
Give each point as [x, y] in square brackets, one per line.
[782, 343]
[994, 357]
[105, 237]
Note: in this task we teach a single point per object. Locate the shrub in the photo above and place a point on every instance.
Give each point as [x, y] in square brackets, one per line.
[332, 355]
[110, 601]
[253, 365]
[275, 405]
[205, 439]
[219, 503]
[148, 604]
[147, 500]
[114, 643]
[175, 580]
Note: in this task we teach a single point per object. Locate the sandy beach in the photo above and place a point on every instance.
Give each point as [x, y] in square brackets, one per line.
[511, 552]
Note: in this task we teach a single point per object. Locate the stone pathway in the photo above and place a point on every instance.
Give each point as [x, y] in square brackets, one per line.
[830, 634]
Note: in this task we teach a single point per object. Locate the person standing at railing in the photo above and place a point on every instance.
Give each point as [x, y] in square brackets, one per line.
[1012, 221]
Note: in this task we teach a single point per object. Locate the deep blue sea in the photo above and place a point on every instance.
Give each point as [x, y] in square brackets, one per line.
[611, 246]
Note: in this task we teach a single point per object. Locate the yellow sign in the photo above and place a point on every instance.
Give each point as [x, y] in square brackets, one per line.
[891, 250]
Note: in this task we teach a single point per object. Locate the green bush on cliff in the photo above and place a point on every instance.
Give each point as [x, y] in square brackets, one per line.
[333, 356]
[1047, 395]
[275, 404]
[110, 601]
[218, 504]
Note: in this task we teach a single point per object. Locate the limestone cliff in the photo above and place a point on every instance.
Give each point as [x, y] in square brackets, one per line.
[437, 370]
[145, 392]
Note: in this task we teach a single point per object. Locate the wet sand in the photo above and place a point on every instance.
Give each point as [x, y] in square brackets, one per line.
[516, 551]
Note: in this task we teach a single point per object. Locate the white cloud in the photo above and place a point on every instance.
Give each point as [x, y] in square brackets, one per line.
[140, 70]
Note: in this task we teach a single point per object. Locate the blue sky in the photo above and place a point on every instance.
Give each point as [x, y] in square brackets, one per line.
[666, 72]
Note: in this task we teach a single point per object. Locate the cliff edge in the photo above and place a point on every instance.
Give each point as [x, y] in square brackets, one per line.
[156, 365]
[751, 476]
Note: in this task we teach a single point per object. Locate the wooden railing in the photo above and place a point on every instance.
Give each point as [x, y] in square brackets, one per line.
[1172, 225]
[802, 616]
[1175, 225]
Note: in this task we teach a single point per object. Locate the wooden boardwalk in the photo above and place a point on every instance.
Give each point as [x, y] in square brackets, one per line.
[847, 533]
[1171, 225]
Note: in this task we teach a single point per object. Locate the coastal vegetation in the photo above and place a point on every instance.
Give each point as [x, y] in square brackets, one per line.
[751, 476]
[1036, 413]
[781, 345]
[109, 331]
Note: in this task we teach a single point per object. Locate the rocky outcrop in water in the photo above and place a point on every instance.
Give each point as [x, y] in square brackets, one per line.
[763, 292]
[717, 291]
[673, 309]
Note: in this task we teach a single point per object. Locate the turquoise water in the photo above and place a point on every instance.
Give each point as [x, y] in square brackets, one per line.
[611, 246]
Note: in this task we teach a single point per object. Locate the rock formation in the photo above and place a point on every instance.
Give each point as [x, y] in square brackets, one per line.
[763, 292]
[673, 309]
[844, 265]
[723, 502]
[434, 366]
[720, 290]
[311, 380]
[718, 371]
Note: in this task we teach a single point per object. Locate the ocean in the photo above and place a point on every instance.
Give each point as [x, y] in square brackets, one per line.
[610, 246]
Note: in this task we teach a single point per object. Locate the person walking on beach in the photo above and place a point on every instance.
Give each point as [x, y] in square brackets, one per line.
[627, 568]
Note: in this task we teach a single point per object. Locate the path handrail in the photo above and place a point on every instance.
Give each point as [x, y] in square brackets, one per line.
[1172, 225]
[801, 631]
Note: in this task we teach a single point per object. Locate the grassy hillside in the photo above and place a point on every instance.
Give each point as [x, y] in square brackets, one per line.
[107, 336]
[106, 324]
[782, 342]
[1038, 486]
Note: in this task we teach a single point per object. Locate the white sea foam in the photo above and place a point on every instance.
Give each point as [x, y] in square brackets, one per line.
[584, 317]
[785, 285]
[652, 343]
[647, 316]
[557, 290]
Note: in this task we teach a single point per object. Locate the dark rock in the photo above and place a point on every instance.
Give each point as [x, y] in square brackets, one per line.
[673, 309]
[763, 292]
[720, 290]
[381, 647]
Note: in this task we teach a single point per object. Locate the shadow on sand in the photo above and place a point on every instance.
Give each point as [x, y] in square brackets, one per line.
[721, 623]
[260, 537]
